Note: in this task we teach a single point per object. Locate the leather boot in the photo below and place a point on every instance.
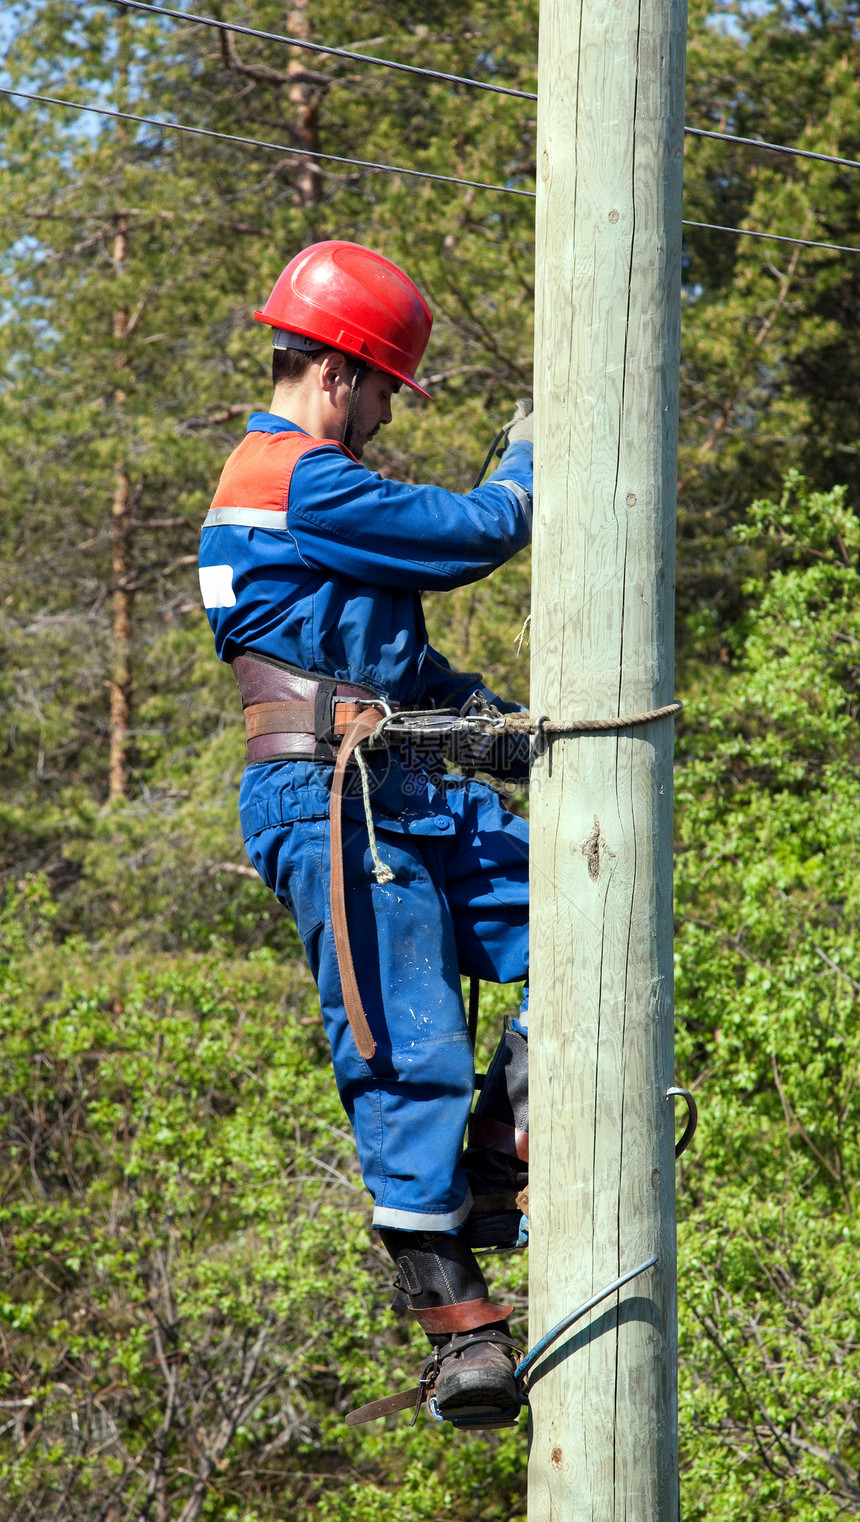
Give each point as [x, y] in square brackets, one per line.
[472, 1365]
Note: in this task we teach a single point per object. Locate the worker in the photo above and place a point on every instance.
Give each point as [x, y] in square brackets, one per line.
[312, 568]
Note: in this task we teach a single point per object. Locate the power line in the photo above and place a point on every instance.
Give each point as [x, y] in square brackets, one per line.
[319, 47]
[256, 142]
[755, 142]
[747, 232]
[426, 174]
[457, 79]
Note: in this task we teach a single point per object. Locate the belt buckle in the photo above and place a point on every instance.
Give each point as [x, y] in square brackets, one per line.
[371, 742]
[368, 703]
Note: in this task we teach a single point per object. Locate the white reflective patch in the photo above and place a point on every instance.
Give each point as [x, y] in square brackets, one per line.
[244, 517]
[413, 1220]
[216, 586]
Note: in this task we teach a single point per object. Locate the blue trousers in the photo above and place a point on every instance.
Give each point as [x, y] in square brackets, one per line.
[458, 904]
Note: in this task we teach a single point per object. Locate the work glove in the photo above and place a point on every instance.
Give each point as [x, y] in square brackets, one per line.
[522, 424]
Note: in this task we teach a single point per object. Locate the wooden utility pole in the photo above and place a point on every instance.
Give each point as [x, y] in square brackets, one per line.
[610, 145]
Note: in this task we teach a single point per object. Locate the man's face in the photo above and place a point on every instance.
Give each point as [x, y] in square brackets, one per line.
[374, 408]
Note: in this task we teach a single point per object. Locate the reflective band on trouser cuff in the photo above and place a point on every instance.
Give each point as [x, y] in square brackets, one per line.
[245, 517]
[419, 1220]
[498, 1137]
[460, 1318]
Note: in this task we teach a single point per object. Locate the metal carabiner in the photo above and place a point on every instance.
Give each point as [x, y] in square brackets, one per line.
[477, 711]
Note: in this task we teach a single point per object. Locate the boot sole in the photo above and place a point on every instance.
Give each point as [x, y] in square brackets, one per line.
[469, 1396]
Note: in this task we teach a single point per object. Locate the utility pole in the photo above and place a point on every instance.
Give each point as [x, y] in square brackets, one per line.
[603, 1441]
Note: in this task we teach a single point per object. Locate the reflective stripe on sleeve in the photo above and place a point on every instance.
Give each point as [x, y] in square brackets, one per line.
[245, 517]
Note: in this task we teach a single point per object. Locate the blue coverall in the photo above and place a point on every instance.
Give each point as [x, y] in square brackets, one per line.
[335, 589]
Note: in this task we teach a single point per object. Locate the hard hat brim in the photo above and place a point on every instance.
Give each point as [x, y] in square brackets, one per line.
[327, 343]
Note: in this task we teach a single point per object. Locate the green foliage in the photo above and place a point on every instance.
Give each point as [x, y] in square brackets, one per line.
[768, 978]
[769, 372]
[192, 1297]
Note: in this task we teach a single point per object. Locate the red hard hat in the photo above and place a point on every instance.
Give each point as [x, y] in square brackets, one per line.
[356, 301]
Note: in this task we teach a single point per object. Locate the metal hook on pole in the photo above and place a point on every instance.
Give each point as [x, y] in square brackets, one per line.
[539, 741]
[692, 1118]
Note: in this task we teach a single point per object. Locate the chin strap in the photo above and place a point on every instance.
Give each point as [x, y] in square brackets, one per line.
[357, 378]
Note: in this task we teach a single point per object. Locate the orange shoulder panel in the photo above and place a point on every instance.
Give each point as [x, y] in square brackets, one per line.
[258, 473]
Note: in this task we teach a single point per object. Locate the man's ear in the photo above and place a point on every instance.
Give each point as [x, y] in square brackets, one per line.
[333, 370]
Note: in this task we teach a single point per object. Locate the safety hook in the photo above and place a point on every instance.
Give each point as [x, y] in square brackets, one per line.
[692, 1118]
[539, 741]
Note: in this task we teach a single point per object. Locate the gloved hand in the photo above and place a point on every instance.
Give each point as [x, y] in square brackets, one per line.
[522, 424]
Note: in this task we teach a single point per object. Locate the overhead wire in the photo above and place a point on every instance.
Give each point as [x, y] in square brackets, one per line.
[749, 232]
[426, 174]
[459, 79]
[256, 142]
[757, 142]
[321, 47]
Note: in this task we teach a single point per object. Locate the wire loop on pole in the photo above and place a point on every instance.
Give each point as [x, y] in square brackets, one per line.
[692, 1118]
[522, 1370]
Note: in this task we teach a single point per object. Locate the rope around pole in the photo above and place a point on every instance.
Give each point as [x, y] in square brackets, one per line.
[546, 729]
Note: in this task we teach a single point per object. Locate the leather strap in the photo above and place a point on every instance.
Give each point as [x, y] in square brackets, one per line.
[358, 375]
[404, 1401]
[419, 1393]
[460, 1318]
[358, 730]
[305, 725]
[299, 718]
[494, 1134]
[474, 1011]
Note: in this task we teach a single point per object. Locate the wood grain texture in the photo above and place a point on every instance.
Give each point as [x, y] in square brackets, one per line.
[603, 1445]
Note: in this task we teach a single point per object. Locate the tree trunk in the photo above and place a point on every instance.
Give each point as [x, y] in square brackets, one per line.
[306, 100]
[122, 596]
[121, 632]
